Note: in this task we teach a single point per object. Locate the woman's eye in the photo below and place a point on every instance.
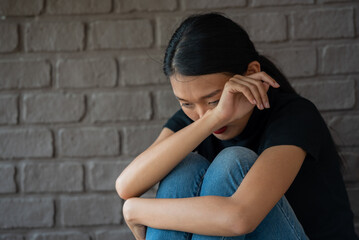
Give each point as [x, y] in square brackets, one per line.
[187, 105]
[214, 102]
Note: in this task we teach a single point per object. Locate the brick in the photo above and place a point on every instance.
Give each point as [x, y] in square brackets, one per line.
[53, 107]
[275, 29]
[19, 212]
[150, 71]
[8, 37]
[346, 129]
[297, 62]
[24, 74]
[25, 143]
[121, 34]
[78, 6]
[340, 59]
[351, 167]
[332, 1]
[63, 235]
[203, 4]
[20, 7]
[262, 3]
[81, 73]
[90, 210]
[333, 95]
[124, 233]
[107, 107]
[52, 177]
[319, 24]
[137, 139]
[8, 109]
[88, 141]
[7, 179]
[354, 200]
[54, 36]
[166, 26]
[10, 236]
[149, 5]
[166, 103]
[102, 176]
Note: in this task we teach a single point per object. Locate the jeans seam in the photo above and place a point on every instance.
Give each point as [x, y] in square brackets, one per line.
[290, 224]
[189, 236]
[200, 183]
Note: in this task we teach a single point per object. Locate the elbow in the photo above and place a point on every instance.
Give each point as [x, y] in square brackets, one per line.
[121, 189]
[240, 225]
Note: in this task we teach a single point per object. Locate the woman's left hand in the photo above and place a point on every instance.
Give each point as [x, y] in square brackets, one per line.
[138, 230]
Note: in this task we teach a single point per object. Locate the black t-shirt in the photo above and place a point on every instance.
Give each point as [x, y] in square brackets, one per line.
[317, 195]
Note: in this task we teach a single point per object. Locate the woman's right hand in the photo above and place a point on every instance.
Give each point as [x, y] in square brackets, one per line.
[241, 94]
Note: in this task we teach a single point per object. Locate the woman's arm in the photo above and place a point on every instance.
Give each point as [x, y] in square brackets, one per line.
[239, 96]
[265, 183]
[160, 158]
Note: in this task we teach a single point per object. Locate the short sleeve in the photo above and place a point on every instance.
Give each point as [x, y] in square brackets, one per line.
[178, 121]
[297, 123]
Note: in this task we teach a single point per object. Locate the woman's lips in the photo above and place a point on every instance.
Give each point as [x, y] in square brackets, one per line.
[221, 130]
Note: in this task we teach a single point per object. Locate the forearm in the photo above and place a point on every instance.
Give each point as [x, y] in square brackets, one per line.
[158, 160]
[207, 215]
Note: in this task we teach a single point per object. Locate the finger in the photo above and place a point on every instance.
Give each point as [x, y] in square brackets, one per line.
[235, 87]
[263, 76]
[256, 90]
[266, 78]
[262, 88]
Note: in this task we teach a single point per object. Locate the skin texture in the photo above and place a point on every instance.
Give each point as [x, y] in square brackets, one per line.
[212, 101]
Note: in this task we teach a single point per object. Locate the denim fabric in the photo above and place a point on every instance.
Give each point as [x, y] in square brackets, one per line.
[196, 176]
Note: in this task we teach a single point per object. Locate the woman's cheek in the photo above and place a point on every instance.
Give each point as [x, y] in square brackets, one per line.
[190, 113]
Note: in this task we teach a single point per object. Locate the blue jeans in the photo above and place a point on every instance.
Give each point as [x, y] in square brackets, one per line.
[196, 176]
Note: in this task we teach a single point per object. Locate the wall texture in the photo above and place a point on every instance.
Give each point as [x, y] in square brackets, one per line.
[82, 92]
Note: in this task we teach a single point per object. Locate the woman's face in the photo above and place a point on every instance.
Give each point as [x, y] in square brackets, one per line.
[197, 94]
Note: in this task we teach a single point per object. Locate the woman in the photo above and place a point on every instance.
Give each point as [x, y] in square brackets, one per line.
[245, 157]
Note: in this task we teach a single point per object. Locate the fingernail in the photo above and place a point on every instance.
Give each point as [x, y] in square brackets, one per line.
[267, 105]
[254, 102]
[262, 106]
[277, 85]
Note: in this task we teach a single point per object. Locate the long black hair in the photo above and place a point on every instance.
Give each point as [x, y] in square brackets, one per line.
[212, 43]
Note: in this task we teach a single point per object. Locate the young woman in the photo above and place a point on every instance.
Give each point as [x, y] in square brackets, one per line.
[245, 157]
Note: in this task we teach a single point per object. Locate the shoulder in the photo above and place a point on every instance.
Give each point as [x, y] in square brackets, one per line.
[295, 107]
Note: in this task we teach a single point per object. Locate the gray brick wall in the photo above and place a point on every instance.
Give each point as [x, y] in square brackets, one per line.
[82, 92]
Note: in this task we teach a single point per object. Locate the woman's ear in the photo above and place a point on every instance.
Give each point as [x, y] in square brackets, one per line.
[253, 67]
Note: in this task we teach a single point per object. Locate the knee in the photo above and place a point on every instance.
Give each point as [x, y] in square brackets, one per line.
[227, 171]
[234, 157]
[185, 178]
[191, 165]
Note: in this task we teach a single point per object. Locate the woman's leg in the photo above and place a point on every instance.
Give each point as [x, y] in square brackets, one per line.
[223, 178]
[183, 181]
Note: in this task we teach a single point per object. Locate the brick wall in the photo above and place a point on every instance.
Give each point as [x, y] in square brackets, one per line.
[82, 93]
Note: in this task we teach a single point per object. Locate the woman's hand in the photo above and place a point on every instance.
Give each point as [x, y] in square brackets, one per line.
[138, 230]
[242, 93]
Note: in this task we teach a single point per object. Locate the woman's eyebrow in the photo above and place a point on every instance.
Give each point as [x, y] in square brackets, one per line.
[203, 97]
